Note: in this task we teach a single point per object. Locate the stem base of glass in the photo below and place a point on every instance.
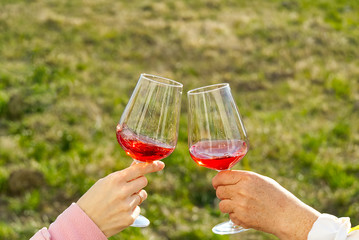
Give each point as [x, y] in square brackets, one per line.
[141, 221]
[227, 228]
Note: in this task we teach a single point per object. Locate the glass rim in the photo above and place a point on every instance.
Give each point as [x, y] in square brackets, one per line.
[202, 90]
[169, 82]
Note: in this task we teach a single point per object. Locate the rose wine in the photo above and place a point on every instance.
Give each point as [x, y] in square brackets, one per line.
[140, 147]
[218, 154]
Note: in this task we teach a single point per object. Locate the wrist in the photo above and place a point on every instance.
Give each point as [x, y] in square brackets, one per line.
[82, 204]
[298, 226]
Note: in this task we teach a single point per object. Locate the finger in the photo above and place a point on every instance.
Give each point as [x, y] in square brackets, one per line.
[140, 169]
[228, 178]
[137, 199]
[226, 206]
[235, 219]
[134, 200]
[136, 212]
[143, 195]
[225, 192]
[134, 186]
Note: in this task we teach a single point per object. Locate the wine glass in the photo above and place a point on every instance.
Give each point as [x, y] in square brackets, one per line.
[217, 138]
[148, 127]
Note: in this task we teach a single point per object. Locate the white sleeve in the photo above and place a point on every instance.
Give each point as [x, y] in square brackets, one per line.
[329, 227]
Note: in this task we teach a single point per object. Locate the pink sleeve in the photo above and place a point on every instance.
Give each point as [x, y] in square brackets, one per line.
[43, 234]
[72, 224]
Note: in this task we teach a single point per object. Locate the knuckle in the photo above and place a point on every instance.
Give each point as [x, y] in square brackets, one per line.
[142, 181]
[119, 176]
[126, 207]
[150, 167]
[251, 176]
[244, 190]
[142, 168]
[220, 192]
[121, 195]
[145, 181]
[223, 206]
[123, 208]
[129, 220]
[245, 176]
[243, 203]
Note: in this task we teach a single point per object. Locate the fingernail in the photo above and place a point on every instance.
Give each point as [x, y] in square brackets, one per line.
[160, 163]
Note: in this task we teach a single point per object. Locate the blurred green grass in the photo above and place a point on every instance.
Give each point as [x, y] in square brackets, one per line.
[67, 70]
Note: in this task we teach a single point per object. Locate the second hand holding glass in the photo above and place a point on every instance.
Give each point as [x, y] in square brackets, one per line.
[148, 128]
[216, 135]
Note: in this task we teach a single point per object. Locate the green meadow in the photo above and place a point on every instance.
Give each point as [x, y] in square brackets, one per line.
[68, 68]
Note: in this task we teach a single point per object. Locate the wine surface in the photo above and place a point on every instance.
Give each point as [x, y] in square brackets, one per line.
[140, 147]
[218, 154]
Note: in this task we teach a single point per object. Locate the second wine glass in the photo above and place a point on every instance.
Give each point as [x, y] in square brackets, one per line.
[217, 138]
[148, 128]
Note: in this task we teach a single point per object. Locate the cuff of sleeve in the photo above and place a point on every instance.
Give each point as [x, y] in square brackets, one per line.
[329, 227]
[74, 224]
[43, 234]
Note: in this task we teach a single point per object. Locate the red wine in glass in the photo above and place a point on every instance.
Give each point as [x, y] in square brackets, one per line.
[140, 147]
[218, 154]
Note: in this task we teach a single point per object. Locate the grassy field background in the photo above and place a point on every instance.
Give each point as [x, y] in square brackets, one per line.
[68, 68]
